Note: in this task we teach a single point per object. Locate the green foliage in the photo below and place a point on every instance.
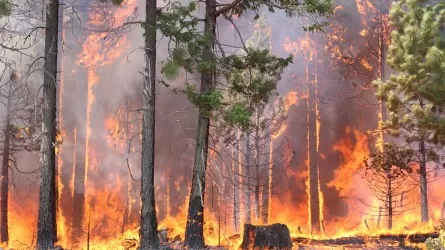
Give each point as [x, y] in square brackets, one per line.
[178, 23]
[416, 53]
[254, 74]
[394, 161]
[437, 243]
[115, 2]
[209, 100]
[5, 7]
[249, 78]
[238, 115]
[313, 8]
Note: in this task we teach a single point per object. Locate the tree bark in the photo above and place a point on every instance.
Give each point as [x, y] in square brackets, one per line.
[423, 184]
[248, 219]
[257, 166]
[266, 185]
[149, 225]
[78, 202]
[314, 199]
[275, 236]
[46, 223]
[194, 238]
[390, 198]
[235, 166]
[4, 235]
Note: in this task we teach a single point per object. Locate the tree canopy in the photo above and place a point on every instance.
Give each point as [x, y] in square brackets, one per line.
[5, 7]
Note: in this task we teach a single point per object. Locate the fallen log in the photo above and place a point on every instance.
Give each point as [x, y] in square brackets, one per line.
[401, 239]
[358, 240]
[275, 236]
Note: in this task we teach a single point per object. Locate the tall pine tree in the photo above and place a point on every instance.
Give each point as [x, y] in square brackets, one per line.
[413, 55]
[195, 51]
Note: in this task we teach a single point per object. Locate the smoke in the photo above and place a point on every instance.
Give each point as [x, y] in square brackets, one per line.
[106, 190]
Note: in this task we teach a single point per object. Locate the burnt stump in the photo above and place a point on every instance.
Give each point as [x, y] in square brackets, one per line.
[275, 236]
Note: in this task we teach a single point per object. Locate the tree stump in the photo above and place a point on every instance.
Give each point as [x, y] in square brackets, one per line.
[275, 236]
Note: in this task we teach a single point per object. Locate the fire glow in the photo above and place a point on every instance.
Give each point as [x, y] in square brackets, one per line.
[109, 199]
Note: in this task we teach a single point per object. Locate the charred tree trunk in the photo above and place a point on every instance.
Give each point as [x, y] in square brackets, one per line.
[266, 185]
[276, 236]
[379, 217]
[314, 199]
[423, 183]
[46, 224]
[257, 166]
[149, 225]
[248, 219]
[4, 235]
[194, 237]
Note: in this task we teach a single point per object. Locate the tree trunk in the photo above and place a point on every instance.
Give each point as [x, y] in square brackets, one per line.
[78, 202]
[46, 224]
[275, 236]
[257, 166]
[194, 237]
[266, 185]
[236, 181]
[390, 198]
[442, 212]
[314, 199]
[149, 225]
[4, 235]
[248, 219]
[127, 212]
[423, 184]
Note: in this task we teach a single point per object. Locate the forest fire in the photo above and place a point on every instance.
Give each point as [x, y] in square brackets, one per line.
[304, 163]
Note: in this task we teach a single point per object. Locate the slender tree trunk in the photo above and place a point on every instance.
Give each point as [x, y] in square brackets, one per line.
[4, 235]
[194, 237]
[423, 184]
[314, 199]
[389, 198]
[236, 181]
[248, 219]
[78, 202]
[149, 225]
[127, 213]
[46, 224]
[257, 166]
[442, 212]
[266, 185]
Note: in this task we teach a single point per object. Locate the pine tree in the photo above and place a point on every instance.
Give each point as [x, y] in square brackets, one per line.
[5, 7]
[149, 224]
[195, 52]
[412, 54]
[385, 174]
[46, 223]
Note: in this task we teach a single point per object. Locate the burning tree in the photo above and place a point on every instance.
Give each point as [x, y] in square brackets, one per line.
[361, 58]
[412, 54]
[21, 122]
[386, 175]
